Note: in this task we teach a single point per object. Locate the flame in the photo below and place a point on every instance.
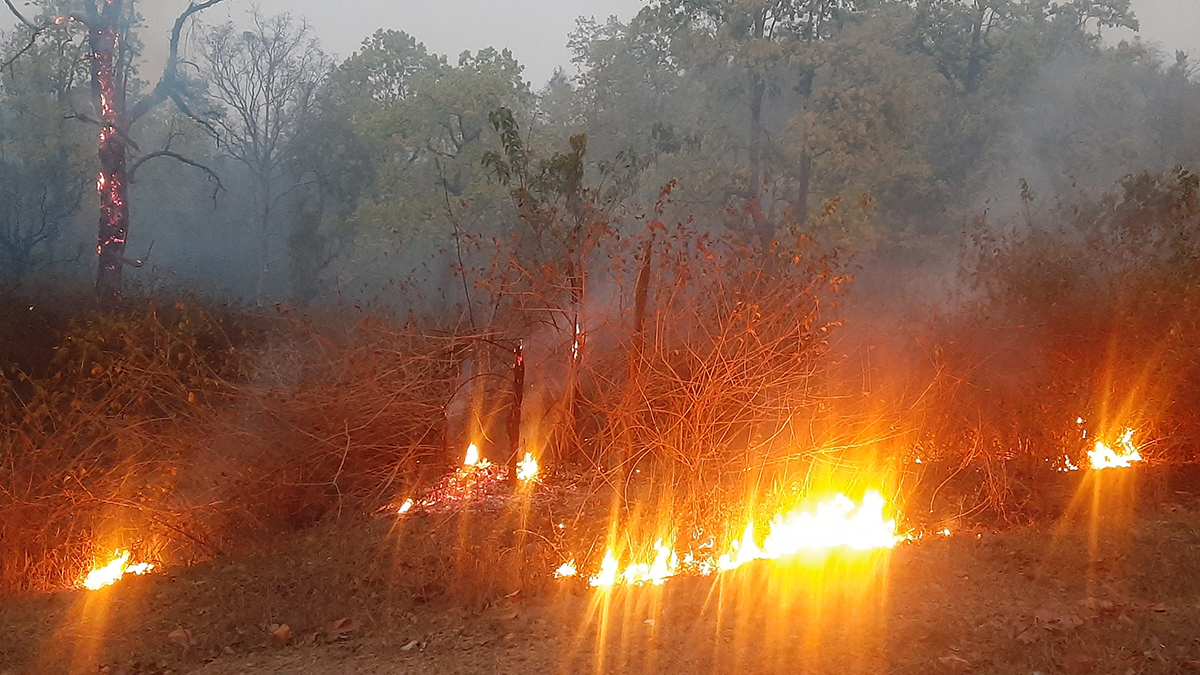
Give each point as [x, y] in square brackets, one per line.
[837, 522]
[1104, 457]
[472, 458]
[566, 569]
[405, 507]
[607, 576]
[113, 571]
[527, 468]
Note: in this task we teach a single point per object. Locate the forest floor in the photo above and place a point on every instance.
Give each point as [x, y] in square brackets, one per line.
[1110, 585]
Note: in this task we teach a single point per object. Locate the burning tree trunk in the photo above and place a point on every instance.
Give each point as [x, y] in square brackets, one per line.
[107, 91]
[514, 414]
[108, 23]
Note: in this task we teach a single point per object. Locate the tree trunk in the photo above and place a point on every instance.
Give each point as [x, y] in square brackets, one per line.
[758, 89]
[975, 58]
[514, 414]
[804, 178]
[108, 91]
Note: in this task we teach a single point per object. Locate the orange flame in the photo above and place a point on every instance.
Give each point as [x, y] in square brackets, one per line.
[527, 468]
[472, 458]
[837, 522]
[1104, 457]
[112, 572]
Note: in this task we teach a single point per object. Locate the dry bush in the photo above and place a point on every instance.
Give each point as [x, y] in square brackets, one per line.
[333, 425]
[94, 435]
[1091, 315]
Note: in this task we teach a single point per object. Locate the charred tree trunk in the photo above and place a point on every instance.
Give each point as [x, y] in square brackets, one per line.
[108, 90]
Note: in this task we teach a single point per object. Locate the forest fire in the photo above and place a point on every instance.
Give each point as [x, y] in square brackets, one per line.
[835, 523]
[114, 570]
[1103, 456]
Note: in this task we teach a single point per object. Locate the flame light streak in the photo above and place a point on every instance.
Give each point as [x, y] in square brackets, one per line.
[112, 572]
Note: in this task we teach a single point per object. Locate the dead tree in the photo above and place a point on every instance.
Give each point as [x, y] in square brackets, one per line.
[108, 23]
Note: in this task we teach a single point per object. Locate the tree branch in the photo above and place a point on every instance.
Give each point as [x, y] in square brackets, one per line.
[168, 83]
[212, 175]
[31, 25]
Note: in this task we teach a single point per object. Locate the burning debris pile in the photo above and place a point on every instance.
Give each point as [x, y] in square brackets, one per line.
[477, 482]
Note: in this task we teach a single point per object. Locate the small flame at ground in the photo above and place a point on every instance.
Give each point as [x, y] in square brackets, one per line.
[527, 468]
[405, 507]
[566, 569]
[1104, 457]
[472, 458]
[113, 571]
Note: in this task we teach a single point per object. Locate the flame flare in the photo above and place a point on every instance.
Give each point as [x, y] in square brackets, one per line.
[112, 572]
[527, 468]
[1103, 456]
[472, 458]
[567, 569]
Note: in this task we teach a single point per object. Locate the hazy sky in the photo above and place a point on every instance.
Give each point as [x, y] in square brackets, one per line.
[535, 30]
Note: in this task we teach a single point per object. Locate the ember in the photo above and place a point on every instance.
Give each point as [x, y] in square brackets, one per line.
[113, 571]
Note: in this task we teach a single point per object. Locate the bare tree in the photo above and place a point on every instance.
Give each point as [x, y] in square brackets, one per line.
[108, 24]
[264, 79]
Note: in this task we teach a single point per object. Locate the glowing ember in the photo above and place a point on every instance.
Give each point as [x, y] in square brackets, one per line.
[113, 571]
[566, 569]
[837, 522]
[472, 458]
[405, 507]
[1104, 457]
[527, 468]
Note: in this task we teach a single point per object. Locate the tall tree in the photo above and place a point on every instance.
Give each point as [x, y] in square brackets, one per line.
[264, 80]
[110, 55]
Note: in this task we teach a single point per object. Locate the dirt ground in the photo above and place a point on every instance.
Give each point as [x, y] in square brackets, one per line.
[1112, 585]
